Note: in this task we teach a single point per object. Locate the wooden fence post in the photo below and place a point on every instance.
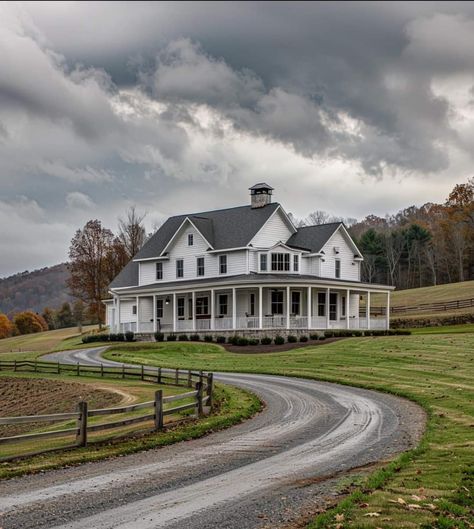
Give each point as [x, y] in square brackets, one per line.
[210, 378]
[14, 365]
[59, 368]
[36, 365]
[199, 407]
[123, 370]
[81, 438]
[101, 369]
[143, 372]
[159, 410]
[78, 369]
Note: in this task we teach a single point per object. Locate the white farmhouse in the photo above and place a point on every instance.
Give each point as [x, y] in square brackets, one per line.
[244, 269]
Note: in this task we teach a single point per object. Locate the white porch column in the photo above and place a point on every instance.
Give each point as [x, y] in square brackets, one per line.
[348, 293]
[212, 310]
[234, 308]
[309, 325]
[368, 309]
[118, 316]
[138, 315]
[260, 307]
[327, 307]
[174, 311]
[194, 310]
[154, 313]
[287, 307]
[388, 311]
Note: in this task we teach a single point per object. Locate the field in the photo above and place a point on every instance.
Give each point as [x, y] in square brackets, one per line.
[435, 370]
[448, 292]
[41, 342]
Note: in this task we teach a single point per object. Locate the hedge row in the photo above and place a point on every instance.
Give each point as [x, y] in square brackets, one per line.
[118, 337]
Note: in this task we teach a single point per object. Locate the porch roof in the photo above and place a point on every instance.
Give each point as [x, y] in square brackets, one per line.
[252, 279]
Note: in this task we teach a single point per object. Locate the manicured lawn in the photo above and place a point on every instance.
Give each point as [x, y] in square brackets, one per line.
[436, 370]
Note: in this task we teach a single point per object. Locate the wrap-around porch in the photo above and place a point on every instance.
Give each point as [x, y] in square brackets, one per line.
[247, 308]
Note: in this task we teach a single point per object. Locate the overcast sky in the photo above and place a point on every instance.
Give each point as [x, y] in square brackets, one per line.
[353, 108]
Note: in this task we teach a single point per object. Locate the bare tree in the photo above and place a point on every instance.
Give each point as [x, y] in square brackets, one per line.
[132, 233]
[394, 242]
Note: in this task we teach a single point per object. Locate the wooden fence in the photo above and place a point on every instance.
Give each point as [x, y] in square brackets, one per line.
[438, 306]
[201, 395]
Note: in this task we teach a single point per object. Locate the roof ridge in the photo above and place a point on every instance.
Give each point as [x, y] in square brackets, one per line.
[318, 225]
[216, 210]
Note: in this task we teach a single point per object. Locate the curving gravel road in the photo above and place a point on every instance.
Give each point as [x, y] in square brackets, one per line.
[263, 473]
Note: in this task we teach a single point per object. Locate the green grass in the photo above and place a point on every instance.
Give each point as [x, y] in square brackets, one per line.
[445, 329]
[435, 370]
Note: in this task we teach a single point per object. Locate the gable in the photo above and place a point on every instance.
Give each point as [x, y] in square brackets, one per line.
[341, 238]
[178, 245]
[276, 229]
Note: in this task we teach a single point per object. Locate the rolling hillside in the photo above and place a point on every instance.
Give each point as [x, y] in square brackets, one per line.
[34, 290]
[449, 292]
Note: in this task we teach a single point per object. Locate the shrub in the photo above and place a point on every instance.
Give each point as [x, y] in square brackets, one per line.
[356, 333]
[314, 336]
[292, 338]
[279, 340]
[183, 338]
[208, 338]
[242, 341]
[322, 337]
[171, 338]
[112, 337]
[233, 340]
[194, 337]
[91, 338]
[120, 337]
[303, 338]
[220, 339]
[159, 336]
[130, 336]
[266, 340]
[328, 334]
[28, 322]
[253, 341]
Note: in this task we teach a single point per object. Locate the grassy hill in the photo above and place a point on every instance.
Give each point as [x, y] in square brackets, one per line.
[34, 290]
[448, 292]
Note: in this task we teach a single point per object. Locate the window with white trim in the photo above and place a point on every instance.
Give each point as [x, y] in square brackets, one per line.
[222, 264]
[200, 266]
[280, 262]
[159, 308]
[295, 302]
[223, 304]
[337, 264]
[321, 304]
[333, 306]
[296, 263]
[277, 301]
[134, 309]
[180, 303]
[343, 305]
[190, 239]
[159, 271]
[179, 268]
[202, 306]
[263, 262]
[252, 304]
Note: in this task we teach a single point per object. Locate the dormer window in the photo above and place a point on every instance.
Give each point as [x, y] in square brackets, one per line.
[296, 263]
[280, 262]
[190, 239]
[263, 262]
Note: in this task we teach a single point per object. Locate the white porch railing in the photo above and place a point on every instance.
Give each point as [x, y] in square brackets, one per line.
[274, 322]
[247, 322]
[298, 322]
[222, 324]
[183, 325]
[130, 326]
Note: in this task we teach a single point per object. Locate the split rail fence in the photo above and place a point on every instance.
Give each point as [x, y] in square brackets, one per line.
[437, 306]
[201, 398]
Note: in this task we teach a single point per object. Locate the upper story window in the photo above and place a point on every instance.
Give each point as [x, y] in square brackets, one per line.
[179, 268]
[280, 262]
[263, 262]
[337, 263]
[190, 239]
[222, 264]
[159, 271]
[200, 266]
[296, 263]
[134, 309]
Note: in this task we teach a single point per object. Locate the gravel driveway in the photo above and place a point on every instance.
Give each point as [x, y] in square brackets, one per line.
[265, 472]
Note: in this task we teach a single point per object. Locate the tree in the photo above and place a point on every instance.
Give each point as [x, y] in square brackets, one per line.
[49, 317]
[64, 316]
[394, 244]
[96, 257]
[132, 233]
[372, 245]
[7, 328]
[78, 313]
[28, 322]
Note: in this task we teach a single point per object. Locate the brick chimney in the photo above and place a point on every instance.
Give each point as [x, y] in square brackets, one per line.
[260, 195]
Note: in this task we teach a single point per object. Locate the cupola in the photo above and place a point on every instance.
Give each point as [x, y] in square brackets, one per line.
[260, 195]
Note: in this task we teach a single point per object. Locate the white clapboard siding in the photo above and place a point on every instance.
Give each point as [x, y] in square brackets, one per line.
[354, 305]
[349, 271]
[146, 309]
[273, 231]
[126, 311]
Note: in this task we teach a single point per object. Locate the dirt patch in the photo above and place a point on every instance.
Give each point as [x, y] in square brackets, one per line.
[36, 396]
[272, 348]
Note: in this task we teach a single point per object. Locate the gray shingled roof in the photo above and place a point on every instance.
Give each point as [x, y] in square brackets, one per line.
[313, 238]
[223, 228]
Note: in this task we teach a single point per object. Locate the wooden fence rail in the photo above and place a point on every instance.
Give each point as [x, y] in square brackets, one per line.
[201, 396]
[437, 306]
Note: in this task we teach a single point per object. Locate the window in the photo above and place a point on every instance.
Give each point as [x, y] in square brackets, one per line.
[338, 268]
[277, 302]
[295, 302]
[280, 262]
[134, 309]
[296, 263]
[222, 264]
[333, 307]
[343, 305]
[159, 271]
[202, 306]
[179, 268]
[252, 304]
[180, 307]
[200, 266]
[321, 304]
[159, 308]
[190, 308]
[190, 239]
[223, 304]
[263, 262]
